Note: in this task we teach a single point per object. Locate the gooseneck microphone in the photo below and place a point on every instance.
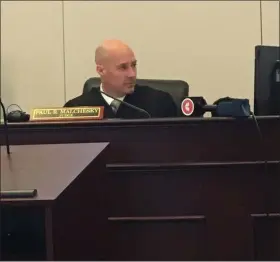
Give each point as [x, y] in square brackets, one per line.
[128, 104]
[6, 127]
[197, 106]
[4, 194]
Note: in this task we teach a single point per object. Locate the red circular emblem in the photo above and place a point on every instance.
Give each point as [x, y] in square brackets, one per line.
[187, 106]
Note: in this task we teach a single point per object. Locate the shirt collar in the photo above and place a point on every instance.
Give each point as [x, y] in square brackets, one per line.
[108, 99]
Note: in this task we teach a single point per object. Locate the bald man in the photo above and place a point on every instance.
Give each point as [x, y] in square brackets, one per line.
[117, 67]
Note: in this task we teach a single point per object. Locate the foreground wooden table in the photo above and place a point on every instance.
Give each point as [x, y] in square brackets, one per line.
[182, 189]
[54, 224]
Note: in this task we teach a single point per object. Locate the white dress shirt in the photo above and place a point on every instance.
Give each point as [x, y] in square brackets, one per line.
[108, 99]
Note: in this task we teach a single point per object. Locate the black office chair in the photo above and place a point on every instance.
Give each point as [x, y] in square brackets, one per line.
[178, 89]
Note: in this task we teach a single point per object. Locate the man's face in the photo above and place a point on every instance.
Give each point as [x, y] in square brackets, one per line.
[119, 72]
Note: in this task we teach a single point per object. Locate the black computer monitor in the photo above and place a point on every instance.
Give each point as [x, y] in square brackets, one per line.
[266, 90]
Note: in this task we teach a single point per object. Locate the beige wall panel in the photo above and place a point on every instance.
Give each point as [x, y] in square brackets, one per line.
[208, 44]
[271, 22]
[32, 53]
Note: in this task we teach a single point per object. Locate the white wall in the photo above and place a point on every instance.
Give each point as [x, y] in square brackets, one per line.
[210, 44]
[32, 53]
[271, 23]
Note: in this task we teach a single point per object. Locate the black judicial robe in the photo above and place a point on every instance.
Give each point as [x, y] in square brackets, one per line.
[156, 102]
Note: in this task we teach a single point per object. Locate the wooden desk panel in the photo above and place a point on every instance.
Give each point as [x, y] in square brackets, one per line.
[161, 140]
[182, 189]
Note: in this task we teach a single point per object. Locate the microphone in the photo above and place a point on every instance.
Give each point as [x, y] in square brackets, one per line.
[197, 106]
[128, 104]
[6, 127]
[234, 108]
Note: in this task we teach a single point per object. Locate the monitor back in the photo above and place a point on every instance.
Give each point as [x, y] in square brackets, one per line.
[265, 59]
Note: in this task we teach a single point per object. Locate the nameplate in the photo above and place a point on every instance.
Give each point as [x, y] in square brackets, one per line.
[67, 113]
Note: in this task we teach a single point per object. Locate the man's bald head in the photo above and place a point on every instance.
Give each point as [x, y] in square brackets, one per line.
[116, 65]
[110, 48]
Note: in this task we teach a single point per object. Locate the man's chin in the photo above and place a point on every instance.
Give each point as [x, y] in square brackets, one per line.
[130, 89]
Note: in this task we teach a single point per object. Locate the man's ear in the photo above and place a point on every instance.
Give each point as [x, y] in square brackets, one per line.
[100, 70]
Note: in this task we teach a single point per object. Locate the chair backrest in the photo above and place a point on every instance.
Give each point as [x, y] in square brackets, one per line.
[178, 89]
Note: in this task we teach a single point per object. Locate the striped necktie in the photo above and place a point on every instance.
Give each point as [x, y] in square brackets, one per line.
[115, 106]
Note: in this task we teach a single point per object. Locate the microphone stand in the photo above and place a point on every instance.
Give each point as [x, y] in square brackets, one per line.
[27, 193]
[6, 128]
[127, 104]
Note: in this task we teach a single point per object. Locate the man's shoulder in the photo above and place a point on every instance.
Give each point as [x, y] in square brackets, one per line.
[84, 99]
[159, 102]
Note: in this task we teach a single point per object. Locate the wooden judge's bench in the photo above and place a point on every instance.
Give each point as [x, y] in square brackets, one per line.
[157, 189]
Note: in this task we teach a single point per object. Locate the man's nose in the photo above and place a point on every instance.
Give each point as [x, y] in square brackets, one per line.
[131, 72]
